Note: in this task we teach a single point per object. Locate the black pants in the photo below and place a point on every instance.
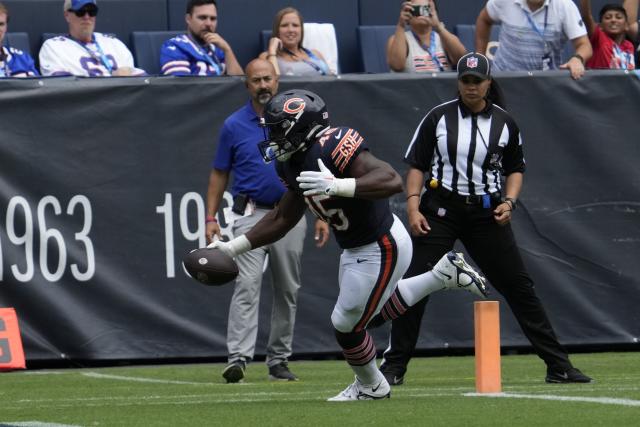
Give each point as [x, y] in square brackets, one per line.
[493, 248]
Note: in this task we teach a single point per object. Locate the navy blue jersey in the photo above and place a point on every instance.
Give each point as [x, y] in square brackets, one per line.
[355, 222]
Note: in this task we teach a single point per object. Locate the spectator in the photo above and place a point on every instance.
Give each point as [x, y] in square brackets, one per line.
[428, 46]
[462, 148]
[631, 8]
[611, 49]
[350, 193]
[14, 62]
[533, 34]
[285, 49]
[256, 189]
[202, 51]
[83, 52]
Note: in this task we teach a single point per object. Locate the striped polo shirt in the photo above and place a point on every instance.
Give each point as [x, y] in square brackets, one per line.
[456, 147]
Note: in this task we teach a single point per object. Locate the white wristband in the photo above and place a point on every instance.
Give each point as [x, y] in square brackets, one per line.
[239, 245]
[345, 187]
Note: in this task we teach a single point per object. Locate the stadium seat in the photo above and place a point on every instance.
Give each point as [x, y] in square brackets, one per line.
[321, 37]
[18, 40]
[373, 46]
[467, 35]
[146, 48]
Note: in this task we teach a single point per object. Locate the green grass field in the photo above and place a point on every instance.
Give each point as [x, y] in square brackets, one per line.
[437, 392]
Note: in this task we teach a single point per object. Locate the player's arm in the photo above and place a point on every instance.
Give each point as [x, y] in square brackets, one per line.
[375, 179]
[369, 178]
[272, 227]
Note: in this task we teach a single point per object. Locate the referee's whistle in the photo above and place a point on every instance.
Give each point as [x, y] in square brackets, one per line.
[433, 183]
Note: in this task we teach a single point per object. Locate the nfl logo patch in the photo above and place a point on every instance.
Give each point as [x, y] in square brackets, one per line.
[472, 62]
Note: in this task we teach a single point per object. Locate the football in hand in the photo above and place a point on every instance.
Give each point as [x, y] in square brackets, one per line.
[210, 266]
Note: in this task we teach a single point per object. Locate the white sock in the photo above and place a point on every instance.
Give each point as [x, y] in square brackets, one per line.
[415, 288]
[368, 374]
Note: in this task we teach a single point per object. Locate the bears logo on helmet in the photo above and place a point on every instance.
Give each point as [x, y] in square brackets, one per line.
[291, 120]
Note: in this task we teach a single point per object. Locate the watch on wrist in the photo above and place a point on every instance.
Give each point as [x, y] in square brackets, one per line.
[512, 202]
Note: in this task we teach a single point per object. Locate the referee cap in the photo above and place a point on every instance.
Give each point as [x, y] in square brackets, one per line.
[474, 64]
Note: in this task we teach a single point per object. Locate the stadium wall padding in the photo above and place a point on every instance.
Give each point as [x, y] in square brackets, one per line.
[103, 184]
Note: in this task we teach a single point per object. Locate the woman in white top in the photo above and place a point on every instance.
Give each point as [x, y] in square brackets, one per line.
[285, 50]
[426, 46]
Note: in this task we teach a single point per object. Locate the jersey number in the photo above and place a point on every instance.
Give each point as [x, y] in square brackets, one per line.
[334, 217]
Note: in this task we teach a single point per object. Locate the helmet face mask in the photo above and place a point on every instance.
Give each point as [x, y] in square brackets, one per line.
[291, 120]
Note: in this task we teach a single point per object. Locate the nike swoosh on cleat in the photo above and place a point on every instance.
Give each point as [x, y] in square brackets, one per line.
[374, 389]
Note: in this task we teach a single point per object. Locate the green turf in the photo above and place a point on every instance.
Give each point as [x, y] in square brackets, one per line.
[433, 395]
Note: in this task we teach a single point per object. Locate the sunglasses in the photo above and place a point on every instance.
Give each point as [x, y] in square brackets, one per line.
[92, 11]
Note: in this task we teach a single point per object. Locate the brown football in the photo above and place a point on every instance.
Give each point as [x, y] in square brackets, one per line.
[210, 267]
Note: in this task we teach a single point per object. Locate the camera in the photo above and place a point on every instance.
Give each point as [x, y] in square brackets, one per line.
[421, 10]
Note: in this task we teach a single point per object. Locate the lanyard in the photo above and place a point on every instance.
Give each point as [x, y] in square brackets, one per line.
[210, 59]
[623, 56]
[101, 56]
[431, 48]
[4, 56]
[314, 62]
[535, 27]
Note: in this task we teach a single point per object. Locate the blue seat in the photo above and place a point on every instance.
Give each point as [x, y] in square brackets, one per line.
[146, 48]
[19, 41]
[467, 35]
[373, 47]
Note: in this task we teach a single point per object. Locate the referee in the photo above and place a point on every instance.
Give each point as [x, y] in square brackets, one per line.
[464, 147]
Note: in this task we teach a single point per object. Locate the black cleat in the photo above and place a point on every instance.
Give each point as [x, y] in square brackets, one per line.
[281, 372]
[234, 372]
[563, 376]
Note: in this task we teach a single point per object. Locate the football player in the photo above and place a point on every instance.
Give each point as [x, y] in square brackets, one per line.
[332, 171]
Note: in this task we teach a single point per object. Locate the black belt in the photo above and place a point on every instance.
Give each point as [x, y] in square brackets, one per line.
[467, 200]
[264, 205]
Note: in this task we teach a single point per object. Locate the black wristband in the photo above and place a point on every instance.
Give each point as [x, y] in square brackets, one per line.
[577, 55]
[512, 202]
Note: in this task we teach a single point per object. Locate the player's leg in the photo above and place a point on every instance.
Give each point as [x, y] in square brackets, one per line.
[286, 268]
[242, 327]
[367, 278]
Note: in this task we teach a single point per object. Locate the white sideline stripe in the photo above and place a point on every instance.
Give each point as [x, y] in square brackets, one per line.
[138, 379]
[603, 400]
[33, 424]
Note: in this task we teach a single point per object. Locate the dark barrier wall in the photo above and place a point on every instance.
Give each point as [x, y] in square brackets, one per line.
[102, 189]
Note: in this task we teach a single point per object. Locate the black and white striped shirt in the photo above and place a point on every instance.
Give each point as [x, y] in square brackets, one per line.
[465, 151]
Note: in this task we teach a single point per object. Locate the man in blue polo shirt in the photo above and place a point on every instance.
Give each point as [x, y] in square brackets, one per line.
[256, 188]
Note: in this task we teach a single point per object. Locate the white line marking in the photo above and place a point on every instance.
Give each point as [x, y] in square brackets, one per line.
[602, 400]
[139, 379]
[33, 424]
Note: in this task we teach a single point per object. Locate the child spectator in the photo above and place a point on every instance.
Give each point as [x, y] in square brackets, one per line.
[611, 49]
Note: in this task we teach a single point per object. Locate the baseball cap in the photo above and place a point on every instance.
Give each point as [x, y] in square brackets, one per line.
[474, 64]
[78, 4]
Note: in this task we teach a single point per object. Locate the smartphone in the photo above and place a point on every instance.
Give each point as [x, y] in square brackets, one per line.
[421, 10]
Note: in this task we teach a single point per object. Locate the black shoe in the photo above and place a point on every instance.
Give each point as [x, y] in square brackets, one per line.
[281, 372]
[234, 372]
[392, 377]
[561, 376]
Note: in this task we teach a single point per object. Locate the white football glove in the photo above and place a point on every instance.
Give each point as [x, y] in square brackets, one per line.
[233, 247]
[323, 182]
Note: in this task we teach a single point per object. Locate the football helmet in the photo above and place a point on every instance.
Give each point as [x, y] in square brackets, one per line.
[291, 120]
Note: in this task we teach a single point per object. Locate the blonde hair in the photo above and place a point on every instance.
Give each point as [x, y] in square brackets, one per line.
[275, 31]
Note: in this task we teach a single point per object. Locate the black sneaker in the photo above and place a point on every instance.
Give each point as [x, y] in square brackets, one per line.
[393, 378]
[561, 376]
[281, 372]
[234, 372]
